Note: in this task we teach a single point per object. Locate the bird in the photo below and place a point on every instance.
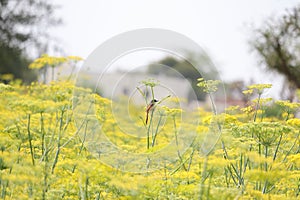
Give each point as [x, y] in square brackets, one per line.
[149, 108]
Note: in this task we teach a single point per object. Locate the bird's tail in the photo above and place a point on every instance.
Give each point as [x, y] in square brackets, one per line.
[147, 117]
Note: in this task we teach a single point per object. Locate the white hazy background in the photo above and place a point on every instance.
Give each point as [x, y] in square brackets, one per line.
[220, 27]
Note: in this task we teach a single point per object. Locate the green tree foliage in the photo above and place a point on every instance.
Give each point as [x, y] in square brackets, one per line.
[181, 68]
[277, 43]
[23, 26]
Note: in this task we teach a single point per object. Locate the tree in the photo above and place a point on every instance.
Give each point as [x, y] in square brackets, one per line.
[277, 43]
[182, 68]
[23, 26]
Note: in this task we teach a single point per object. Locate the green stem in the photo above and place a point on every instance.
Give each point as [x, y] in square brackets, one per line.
[84, 137]
[176, 140]
[29, 139]
[166, 180]
[224, 150]
[277, 147]
[175, 130]
[58, 142]
[212, 104]
[143, 94]
[148, 130]
[86, 187]
[266, 156]
[156, 131]
[219, 126]
[42, 132]
[264, 190]
[152, 92]
[209, 185]
[231, 175]
[184, 161]
[288, 153]
[203, 177]
[191, 159]
[288, 114]
[20, 144]
[240, 179]
[256, 107]
[45, 187]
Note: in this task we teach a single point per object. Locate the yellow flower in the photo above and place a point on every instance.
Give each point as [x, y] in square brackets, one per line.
[288, 104]
[46, 60]
[259, 111]
[208, 86]
[286, 114]
[101, 101]
[232, 108]
[176, 100]
[4, 88]
[74, 58]
[202, 129]
[150, 82]
[259, 87]
[247, 109]
[248, 92]
[294, 122]
[172, 111]
[207, 120]
[230, 119]
[262, 101]
[295, 158]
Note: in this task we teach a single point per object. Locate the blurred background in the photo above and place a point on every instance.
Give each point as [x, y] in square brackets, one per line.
[246, 41]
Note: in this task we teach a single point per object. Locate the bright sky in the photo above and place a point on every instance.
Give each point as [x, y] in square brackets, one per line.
[219, 26]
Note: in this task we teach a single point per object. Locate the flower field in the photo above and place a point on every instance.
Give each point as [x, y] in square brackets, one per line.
[46, 154]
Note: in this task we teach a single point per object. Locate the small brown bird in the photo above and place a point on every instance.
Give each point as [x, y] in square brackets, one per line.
[149, 108]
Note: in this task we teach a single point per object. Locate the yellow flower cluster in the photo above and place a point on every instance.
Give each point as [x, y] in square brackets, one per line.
[262, 101]
[248, 92]
[208, 86]
[172, 111]
[258, 87]
[4, 87]
[247, 109]
[46, 154]
[52, 61]
[150, 82]
[288, 104]
[294, 122]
